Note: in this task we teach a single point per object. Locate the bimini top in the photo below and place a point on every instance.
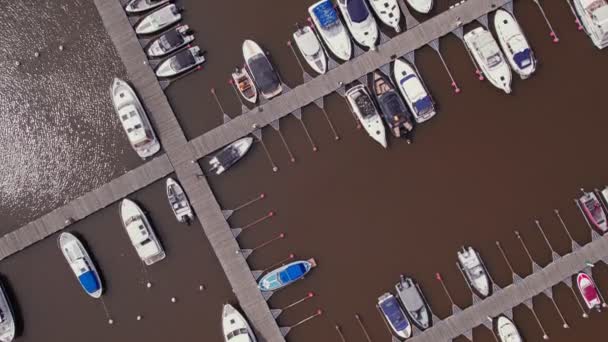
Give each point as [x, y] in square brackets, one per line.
[89, 282]
[183, 60]
[293, 272]
[392, 311]
[263, 73]
[523, 58]
[171, 38]
[424, 104]
[358, 10]
[326, 14]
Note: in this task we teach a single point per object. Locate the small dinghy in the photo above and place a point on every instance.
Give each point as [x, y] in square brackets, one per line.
[421, 6]
[170, 41]
[388, 12]
[588, 291]
[181, 62]
[593, 15]
[140, 233]
[81, 264]
[229, 155]
[394, 316]
[235, 326]
[134, 119]
[474, 271]
[158, 20]
[361, 104]
[360, 22]
[488, 57]
[594, 213]
[261, 69]
[311, 49]
[413, 90]
[507, 331]
[286, 275]
[179, 202]
[331, 29]
[244, 84]
[514, 44]
[394, 111]
[7, 318]
[138, 6]
[413, 302]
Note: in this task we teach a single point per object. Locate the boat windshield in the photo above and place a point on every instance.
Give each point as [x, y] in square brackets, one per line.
[182, 60]
[326, 14]
[365, 104]
[393, 109]
[494, 60]
[357, 10]
[171, 40]
[394, 314]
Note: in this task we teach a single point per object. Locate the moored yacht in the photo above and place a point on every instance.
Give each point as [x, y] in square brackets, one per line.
[414, 303]
[421, 6]
[413, 90]
[158, 20]
[507, 331]
[179, 202]
[138, 6]
[311, 49]
[360, 22]
[514, 44]
[594, 213]
[588, 291]
[488, 57]
[394, 111]
[134, 119]
[229, 155]
[180, 62]
[331, 29]
[244, 84]
[474, 271]
[140, 233]
[593, 14]
[362, 105]
[235, 326]
[81, 264]
[7, 318]
[388, 12]
[286, 275]
[170, 41]
[394, 316]
[262, 71]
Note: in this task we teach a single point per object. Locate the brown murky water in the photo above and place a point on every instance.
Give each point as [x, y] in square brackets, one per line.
[488, 164]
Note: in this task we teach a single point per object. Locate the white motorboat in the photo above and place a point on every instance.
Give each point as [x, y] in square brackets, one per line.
[593, 14]
[134, 119]
[180, 62]
[262, 71]
[81, 264]
[388, 12]
[170, 41]
[362, 105]
[7, 318]
[331, 29]
[179, 202]
[158, 20]
[413, 90]
[514, 44]
[229, 155]
[394, 315]
[235, 326]
[421, 6]
[507, 331]
[474, 271]
[360, 22]
[138, 6]
[244, 84]
[311, 49]
[140, 233]
[488, 57]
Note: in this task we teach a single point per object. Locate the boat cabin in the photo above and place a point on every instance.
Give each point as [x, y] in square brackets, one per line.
[134, 126]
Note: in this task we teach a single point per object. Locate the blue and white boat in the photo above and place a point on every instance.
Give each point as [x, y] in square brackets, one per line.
[394, 315]
[360, 22]
[286, 275]
[81, 264]
[514, 44]
[413, 90]
[331, 29]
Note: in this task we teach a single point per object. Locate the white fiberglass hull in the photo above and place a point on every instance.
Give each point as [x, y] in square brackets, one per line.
[7, 326]
[474, 271]
[596, 25]
[155, 50]
[139, 6]
[181, 208]
[241, 146]
[250, 50]
[158, 20]
[364, 32]
[489, 58]
[152, 251]
[507, 331]
[372, 124]
[235, 326]
[75, 254]
[388, 12]
[167, 69]
[244, 85]
[311, 49]
[514, 44]
[336, 38]
[421, 6]
[412, 89]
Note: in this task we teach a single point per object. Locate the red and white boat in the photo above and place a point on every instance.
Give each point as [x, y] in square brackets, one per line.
[592, 208]
[588, 291]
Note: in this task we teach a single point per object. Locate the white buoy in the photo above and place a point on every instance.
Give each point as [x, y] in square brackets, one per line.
[173, 299]
[110, 321]
[60, 47]
[148, 284]
[139, 317]
[36, 54]
[201, 287]
[17, 63]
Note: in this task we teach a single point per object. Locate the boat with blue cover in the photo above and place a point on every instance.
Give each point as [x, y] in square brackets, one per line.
[331, 29]
[360, 22]
[413, 90]
[81, 264]
[286, 275]
[514, 44]
[394, 315]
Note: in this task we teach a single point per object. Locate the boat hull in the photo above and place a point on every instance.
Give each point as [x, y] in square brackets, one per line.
[241, 147]
[507, 331]
[588, 291]
[388, 12]
[252, 50]
[421, 6]
[514, 44]
[489, 58]
[394, 316]
[178, 201]
[155, 50]
[413, 90]
[474, 271]
[135, 6]
[165, 69]
[233, 322]
[69, 244]
[597, 33]
[593, 211]
[335, 37]
[373, 123]
[282, 276]
[158, 20]
[153, 251]
[311, 49]
[364, 32]
[414, 302]
[240, 76]
[7, 326]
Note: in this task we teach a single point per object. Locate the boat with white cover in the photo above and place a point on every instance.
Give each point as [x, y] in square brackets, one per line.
[140, 233]
[159, 20]
[263, 73]
[331, 29]
[138, 6]
[311, 49]
[507, 331]
[7, 318]
[413, 90]
[489, 58]
[235, 326]
[588, 290]
[593, 14]
[394, 316]
[229, 155]
[474, 271]
[180, 62]
[170, 41]
[361, 104]
[360, 22]
[594, 213]
[134, 119]
[414, 303]
[514, 44]
[245, 85]
[421, 6]
[81, 264]
[180, 205]
[388, 12]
